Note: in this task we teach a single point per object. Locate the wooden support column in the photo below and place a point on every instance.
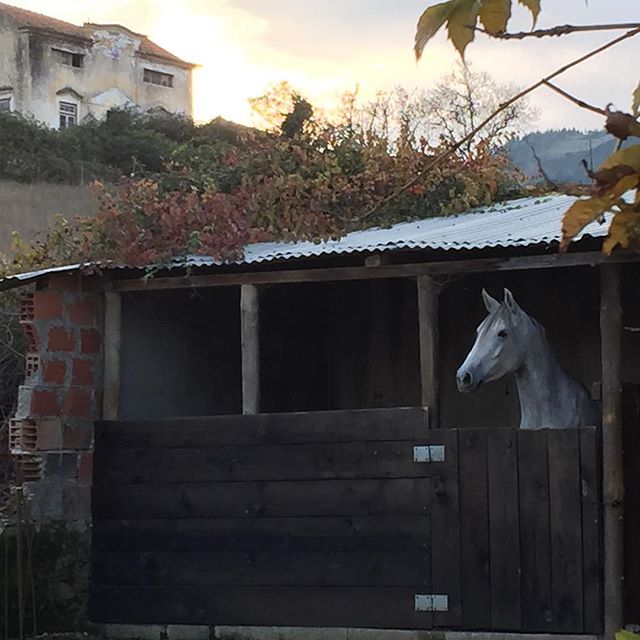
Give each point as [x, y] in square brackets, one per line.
[612, 451]
[428, 298]
[250, 337]
[112, 343]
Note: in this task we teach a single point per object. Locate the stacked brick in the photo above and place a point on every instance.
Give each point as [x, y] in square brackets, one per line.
[52, 432]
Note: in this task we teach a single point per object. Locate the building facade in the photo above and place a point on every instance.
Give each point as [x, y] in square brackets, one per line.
[60, 73]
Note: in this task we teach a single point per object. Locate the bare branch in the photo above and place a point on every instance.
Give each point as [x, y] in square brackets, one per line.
[449, 152]
[580, 103]
[560, 30]
[545, 176]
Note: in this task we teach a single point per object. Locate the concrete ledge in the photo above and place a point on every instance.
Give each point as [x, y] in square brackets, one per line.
[134, 631]
[189, 632]
[329, 633]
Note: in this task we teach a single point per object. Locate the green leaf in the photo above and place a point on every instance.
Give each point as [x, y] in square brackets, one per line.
[464, 16]
[626, 635]
[430, 23]
[494, 15]
[635, 105]
[534, 7]
[459, 15]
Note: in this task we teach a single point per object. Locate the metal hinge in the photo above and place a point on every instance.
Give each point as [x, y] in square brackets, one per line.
[429, 453]
[431, 602]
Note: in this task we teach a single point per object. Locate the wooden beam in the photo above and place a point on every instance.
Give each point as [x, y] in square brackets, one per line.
[250, 336]
[410, 270]
[612, 458]
[112, 345]
[428, 299]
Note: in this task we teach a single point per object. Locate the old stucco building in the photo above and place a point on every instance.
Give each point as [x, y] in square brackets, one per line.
[60, 73]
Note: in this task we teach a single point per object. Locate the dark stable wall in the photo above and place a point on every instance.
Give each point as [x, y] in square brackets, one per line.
[180, 353]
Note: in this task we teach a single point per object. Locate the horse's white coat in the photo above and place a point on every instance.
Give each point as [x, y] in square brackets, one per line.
[510, 341]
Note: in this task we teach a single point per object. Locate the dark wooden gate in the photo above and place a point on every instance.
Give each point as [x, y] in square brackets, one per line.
[325, 519]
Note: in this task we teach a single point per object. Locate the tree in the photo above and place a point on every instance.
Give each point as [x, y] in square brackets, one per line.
[616, 176]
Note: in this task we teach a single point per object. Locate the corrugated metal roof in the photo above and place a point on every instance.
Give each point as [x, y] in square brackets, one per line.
[518, 223]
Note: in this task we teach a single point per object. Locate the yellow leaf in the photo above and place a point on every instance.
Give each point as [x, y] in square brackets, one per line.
[582, 212]
[464, 16]
[626, 635]
[534, 7]
[629, 156]
[635, 105]
[494, 15]
[430, 23]
[625, 232]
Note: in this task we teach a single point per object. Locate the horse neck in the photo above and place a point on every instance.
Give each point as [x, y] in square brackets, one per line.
[537, 378]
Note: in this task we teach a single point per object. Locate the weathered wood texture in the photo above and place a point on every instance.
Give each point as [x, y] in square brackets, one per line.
[324, 519]
[113, 343]
[428, 291]
[612, 447]
[250, 341]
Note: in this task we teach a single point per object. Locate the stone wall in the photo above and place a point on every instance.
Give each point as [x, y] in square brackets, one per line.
[52, 432]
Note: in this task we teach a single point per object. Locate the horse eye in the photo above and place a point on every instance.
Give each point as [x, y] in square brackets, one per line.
[502, 333]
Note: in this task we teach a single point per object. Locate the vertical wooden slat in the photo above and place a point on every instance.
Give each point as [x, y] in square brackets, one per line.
[474, 525]
[566, 537]
[250, 337]
[612, 447]
[504, 534]
[112, 345]
[591, 529]
[445, 528]
[428, 298]
[535, 544]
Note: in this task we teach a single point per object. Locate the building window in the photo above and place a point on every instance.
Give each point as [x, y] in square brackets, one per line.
[157, 77]
[5, 104]
[68, 58]
[68, 114]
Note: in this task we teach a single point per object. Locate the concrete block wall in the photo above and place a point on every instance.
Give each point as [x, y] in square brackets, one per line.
[52, 431]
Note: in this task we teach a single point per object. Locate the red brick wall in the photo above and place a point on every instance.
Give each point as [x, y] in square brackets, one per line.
[62, 320]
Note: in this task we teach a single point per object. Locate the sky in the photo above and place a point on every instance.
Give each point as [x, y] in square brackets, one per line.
[326, 47]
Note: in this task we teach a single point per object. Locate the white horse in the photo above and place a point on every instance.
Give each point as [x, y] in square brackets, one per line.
[510, 341]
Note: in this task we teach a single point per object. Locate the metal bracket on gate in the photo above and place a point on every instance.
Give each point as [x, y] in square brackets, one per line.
[431, 602]
[429, 453]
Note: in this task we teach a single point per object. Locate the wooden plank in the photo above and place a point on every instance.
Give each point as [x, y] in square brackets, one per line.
[288, 568]
[112, 345]
[321, 461]
[474, 526]
[260, 499]
[349, 533]
[390, 607]
[591, 531]
[612, 448]
[250, 348]
[535, 543]
[365, 425]
[428, 296]
[268, 275]
[444, 510]
[504, 530]
[565, 511]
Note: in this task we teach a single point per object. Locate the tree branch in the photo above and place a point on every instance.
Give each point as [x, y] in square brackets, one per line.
[449, 152]
[560, 30]
[580, 103]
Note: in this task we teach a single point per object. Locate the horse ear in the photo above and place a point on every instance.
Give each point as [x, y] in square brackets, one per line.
[490, 303]
[510, 301]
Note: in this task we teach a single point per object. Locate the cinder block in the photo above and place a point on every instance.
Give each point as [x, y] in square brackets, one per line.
[77, 433]
[62, 466]
[49, 433]
[188, 632]
[279, 633]
[45, 500]
[25, 398]
[134, 631]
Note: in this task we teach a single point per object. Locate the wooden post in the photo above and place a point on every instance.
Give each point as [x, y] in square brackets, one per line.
[612, 452]
[428, 298]
[112, 344]
[250, 337]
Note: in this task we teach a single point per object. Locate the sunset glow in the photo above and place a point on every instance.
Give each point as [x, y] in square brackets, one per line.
[242, 46]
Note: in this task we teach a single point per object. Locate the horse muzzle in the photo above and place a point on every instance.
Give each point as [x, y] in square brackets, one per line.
[467, 381]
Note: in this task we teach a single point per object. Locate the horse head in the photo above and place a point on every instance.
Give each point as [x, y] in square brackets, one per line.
[500, 345]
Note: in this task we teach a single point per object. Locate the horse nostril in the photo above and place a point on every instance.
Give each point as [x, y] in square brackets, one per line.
[466, 378]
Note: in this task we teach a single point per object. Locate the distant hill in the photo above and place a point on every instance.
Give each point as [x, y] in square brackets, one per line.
[561, 152]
